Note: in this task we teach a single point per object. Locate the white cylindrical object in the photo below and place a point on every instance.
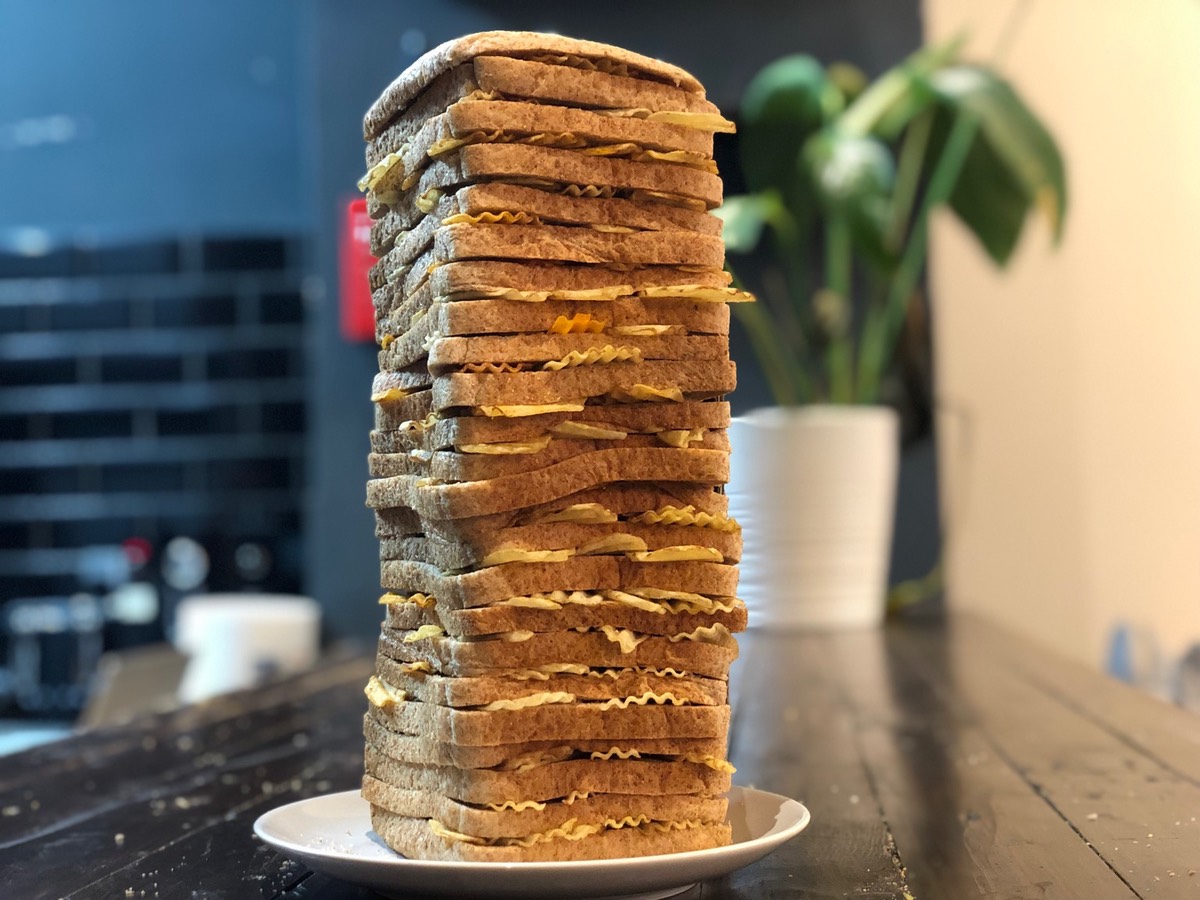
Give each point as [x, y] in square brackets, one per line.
[814, 489]
[237, 641]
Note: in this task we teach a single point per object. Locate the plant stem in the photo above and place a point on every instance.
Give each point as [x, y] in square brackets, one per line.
[880, 343]
[838, 272]
[908, 177]
[789, 382]
[789, 251]
[908, 182]
[873, 104]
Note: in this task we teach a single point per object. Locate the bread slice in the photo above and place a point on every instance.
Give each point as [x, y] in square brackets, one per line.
[501, 202]
[419, 750]
[406, 320]
[710, 656]
[408, 139]
[679, 505]
[550, 166]
[478, 464]
[487, 278]
[727, 611]
[397, 156]
[611, 379]
[571, 243]
[619, 380]
[551, 342]
[642, 73]
[595, 685]
[397, 308]
[656, 777]
[562, 350]
[559, 721]
[450, 551]
[563, 243]
[415, 838]
[477, 498]
[407, 421]
[580, 573]
[532, 817]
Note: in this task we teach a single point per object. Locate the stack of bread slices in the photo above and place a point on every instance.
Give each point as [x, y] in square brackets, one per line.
[548, 457]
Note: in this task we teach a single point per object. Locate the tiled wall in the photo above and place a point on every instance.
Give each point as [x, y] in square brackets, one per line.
[149, 390]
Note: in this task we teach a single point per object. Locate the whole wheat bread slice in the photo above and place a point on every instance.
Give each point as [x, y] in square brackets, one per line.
[562, 243]
[594, 649]
[419, 76]
[513, 202]
[415, 839]
[548, 166]
[498, 619]
[458, 552]
[475, 277]
[407, 145]
[696, 380]
[557, 722]
[534, 351]
[407, 139]
[408, 419]
[571, 243]
[396, 310]
[490, 823]
[656, 777]
[418, 750]
[671, 504]
[485, 689]
[581, 573]
[450, 465]
[502, 317]
[446, 353]
[477, 498]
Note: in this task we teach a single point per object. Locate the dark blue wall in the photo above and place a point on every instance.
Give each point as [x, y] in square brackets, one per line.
[134, 117]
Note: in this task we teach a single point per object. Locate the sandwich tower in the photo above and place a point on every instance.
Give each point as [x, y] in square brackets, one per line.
[558, 566]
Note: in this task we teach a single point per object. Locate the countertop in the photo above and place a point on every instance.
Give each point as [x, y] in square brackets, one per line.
[940, 760]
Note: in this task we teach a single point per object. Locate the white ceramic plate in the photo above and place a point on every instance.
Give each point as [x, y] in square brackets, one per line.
[332, 834]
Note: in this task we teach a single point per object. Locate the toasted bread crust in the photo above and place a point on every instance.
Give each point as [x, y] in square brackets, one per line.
[656, 777]
[496, 620]
[445, 57]
[489, 823]
[594, 649]
[546, 206]
[399, 422]
[600, 685]
[417, 750]
[413, 837]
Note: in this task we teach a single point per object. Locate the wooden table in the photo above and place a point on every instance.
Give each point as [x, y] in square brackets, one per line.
[939, 761]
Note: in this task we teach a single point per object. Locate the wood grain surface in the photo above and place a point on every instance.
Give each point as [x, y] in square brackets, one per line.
[940, 761]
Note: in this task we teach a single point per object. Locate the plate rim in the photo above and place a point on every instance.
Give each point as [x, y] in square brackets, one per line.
[396, 860]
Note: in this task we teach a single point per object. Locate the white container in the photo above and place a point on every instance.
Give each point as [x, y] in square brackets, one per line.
[814, 489]
[237, 641]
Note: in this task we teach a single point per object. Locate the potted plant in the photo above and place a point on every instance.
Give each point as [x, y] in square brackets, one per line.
[844, 177]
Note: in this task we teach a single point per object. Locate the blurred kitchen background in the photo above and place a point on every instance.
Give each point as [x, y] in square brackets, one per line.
[181, 411]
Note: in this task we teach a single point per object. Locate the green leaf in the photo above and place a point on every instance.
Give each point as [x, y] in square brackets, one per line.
[899, 95]
[1016, 139]
[785, 103]
[848, 170]
[854, 177]
[989, 201]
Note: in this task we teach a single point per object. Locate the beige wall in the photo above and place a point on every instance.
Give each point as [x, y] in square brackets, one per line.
[1070, 384]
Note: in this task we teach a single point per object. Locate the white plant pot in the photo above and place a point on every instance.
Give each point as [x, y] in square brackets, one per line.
[814, 489]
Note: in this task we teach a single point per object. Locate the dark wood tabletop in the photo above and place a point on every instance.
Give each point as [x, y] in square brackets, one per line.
[938, 760]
